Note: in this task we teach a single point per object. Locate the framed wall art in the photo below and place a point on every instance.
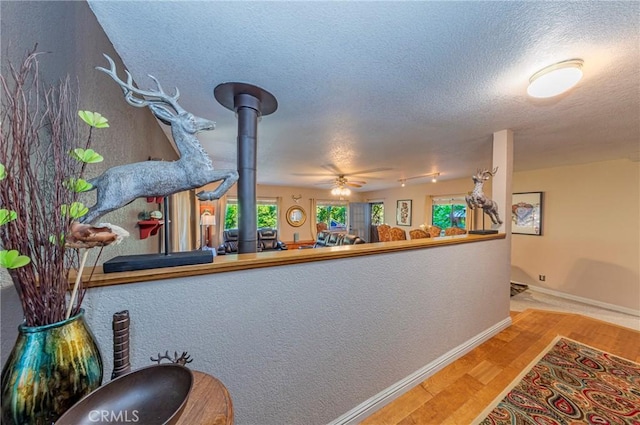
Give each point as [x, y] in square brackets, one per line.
[526, 213]
[403, 212]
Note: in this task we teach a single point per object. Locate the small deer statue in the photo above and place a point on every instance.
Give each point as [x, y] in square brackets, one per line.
[478, 198]
[120, 185]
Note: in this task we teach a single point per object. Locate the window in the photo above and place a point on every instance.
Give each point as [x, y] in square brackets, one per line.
[449, 212]
[377, 213]
[334, 214]
[267, 210]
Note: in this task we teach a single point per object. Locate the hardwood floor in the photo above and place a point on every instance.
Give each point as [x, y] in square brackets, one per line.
[459, 392]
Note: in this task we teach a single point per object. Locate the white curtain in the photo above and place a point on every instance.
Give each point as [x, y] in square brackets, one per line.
[279, 210]
[312, 218]
[183, 221]
[220, 213]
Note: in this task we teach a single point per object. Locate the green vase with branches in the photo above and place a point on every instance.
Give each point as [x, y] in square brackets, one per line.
[55, 360]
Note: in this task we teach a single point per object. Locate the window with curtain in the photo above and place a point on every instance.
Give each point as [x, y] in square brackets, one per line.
[266, 208]
[333, 213]
[449, 211]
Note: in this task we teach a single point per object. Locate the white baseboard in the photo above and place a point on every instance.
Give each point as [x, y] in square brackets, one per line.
[363, 410]
[582, 300]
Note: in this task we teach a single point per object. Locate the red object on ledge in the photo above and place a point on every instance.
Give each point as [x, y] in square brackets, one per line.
[156, 199]
[149, 227]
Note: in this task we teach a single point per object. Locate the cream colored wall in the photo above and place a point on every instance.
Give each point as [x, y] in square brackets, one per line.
[304, 231]
[590, 246]
[285, 230]
[421, 195]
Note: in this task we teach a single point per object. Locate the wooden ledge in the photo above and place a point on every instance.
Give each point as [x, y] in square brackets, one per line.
[228, 263]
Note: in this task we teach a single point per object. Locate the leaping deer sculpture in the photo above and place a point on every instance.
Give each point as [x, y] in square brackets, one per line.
[478, 198]
[120, 185]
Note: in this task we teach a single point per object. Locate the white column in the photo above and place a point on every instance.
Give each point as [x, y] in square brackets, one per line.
[501, 183]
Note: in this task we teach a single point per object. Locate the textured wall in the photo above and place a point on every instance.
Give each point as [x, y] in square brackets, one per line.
[299, 344]
[590, 243]
[303, 344]
[70, 32]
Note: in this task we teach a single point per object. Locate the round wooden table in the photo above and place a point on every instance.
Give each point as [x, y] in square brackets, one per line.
[209, 403]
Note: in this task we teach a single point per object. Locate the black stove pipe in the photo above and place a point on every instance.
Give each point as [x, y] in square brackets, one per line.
[248, 108]
[249, 102]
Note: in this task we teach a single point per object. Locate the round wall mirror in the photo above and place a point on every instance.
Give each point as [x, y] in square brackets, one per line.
[296, 216]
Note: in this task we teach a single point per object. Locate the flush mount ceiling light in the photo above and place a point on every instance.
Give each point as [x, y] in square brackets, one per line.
[555, 79]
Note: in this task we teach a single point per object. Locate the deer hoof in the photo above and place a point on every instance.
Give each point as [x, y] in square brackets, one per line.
[206, 196]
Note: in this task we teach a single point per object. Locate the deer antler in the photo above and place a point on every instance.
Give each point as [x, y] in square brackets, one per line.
[182, 360]
[130, 90]
[491, 173]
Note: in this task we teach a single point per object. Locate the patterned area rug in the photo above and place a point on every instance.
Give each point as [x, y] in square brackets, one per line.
[570, 383]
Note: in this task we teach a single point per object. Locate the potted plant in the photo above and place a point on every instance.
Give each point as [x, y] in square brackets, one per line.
[55, 360]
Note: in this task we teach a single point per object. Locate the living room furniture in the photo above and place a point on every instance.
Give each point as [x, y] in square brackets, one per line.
[384, 234]
[267, 241]
[326, 238]
[299, 244]
[452, 231]
[398, 234]
[434, 231]
[230, 242]
[418, 234]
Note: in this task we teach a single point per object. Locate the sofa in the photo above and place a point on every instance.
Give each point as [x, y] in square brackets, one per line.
[267, 241]
[326, 238]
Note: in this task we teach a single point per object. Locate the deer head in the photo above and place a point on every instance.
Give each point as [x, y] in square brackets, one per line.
[163, 106]
[483, 175]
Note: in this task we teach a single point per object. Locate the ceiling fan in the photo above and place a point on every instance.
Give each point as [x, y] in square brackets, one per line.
[340, 179]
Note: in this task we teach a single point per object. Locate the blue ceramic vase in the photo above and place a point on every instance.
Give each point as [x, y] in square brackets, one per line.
[50, 368]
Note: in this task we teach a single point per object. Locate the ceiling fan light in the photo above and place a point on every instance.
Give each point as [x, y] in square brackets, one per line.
[434, 180]
[555, 79]
[340, 191]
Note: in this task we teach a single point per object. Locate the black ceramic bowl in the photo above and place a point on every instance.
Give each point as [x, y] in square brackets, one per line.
[154, 395]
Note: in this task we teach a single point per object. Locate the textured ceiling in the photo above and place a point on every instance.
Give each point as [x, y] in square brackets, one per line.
[417, 87]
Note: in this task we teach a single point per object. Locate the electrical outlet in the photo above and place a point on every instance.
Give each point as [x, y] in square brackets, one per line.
[542, 277]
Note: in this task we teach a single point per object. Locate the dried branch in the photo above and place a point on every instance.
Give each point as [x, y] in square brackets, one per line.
[39, 127]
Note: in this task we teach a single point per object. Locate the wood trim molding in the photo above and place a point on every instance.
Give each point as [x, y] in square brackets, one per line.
[363, 410]
[236, 262]
[583, 300]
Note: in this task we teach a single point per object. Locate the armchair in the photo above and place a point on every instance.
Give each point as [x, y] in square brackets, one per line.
[452, 231]
[418, 234]
[268, 240]
[434, 231]
[230, 242]
[384, 234]
[321, 239]
[398, 234]
[352, 240]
